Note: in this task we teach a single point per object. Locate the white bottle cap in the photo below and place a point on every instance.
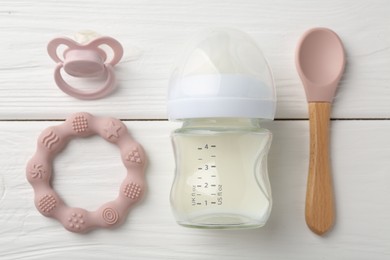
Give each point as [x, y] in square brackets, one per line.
[223, 75]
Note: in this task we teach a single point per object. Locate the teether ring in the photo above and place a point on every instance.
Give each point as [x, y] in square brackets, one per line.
[53, 139]
[85, 61]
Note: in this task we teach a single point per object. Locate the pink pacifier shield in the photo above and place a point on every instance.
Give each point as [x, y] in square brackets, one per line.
[86, 61]
[53, 139]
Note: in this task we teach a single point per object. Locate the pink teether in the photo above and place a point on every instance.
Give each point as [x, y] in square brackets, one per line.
[53, 139]
[85, 60]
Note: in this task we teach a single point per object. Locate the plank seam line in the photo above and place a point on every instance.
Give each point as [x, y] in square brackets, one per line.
[166, 120]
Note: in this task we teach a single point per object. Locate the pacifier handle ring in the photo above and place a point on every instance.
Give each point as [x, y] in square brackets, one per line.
[53, 45]
[107, 88]
[113, 44]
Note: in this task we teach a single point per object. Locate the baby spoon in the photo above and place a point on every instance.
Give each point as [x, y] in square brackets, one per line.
[320, 61]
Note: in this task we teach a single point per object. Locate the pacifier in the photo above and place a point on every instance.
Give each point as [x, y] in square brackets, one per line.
[84, 58]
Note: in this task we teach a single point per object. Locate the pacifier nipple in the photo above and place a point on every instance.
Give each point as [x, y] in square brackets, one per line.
[86, 36]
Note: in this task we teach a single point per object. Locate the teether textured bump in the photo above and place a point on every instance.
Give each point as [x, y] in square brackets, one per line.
[85, 60]
[53, 140]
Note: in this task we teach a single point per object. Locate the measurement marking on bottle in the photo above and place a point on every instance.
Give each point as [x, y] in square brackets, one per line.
[213, 166]
[200, 148]
[200, 177]
[193, 201]
[213, 156]
[200, 168]
[200, 159]
[199, 198]
[213, 176]
[213, 145]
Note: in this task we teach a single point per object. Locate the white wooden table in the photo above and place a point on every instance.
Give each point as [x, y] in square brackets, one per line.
[152, 32]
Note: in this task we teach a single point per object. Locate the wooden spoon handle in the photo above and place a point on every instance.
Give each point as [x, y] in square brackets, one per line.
[319, 195]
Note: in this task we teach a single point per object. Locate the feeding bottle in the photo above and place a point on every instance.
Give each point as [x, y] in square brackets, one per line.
[222, 91]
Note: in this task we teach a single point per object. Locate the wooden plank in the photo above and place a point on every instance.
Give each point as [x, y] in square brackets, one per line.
[153, 35]
[89, 171]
